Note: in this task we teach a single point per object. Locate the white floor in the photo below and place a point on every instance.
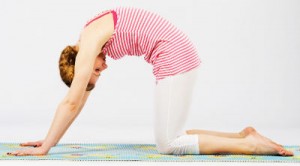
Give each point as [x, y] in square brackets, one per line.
[125, 134]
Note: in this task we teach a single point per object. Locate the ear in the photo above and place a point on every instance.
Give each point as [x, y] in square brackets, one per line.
[97, 72]
[101, 54]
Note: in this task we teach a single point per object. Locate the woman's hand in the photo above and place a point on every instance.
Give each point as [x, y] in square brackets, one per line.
[34, 144]
[30, 152]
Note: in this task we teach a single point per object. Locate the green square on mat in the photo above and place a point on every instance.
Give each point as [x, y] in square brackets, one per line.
[135, 152]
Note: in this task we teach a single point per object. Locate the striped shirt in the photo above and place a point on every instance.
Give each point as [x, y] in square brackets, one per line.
[139, 32]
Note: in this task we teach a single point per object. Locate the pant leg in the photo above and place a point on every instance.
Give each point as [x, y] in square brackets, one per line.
[172, 100]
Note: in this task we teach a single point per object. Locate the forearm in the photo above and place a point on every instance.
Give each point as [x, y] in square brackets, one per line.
[69, 124]
[64, 116]
[85, 97]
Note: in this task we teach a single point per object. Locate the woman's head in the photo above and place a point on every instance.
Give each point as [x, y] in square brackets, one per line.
[67, 66]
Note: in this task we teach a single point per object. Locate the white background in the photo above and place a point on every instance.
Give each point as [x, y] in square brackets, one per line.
[250, 52]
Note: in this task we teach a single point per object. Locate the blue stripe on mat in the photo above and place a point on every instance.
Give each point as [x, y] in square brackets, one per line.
[135, 152]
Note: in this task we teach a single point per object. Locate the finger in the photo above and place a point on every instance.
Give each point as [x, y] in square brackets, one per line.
[26, 144]
[21, 154]
[34, 144]
[13, 153]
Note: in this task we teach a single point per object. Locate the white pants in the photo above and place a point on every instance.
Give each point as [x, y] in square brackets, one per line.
[172, 100]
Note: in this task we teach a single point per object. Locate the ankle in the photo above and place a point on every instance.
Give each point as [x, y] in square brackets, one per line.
[249, 146]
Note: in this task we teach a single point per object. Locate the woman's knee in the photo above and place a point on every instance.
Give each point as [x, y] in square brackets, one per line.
[163, 148]
[184, 144]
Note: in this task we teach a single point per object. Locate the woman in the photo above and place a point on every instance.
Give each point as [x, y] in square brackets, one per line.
[131, 31]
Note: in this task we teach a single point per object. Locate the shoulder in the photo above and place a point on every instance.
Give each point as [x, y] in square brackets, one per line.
[98, 32]
[100, 25]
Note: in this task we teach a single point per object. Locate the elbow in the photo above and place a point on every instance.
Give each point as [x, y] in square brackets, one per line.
[69, 105]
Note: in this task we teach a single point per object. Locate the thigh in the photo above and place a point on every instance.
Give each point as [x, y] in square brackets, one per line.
[172, 101]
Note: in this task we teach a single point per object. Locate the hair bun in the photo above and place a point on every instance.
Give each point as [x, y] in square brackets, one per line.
[67, 64]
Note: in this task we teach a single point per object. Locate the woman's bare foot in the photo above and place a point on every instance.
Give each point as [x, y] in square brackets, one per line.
[263, 146]
[249, 130]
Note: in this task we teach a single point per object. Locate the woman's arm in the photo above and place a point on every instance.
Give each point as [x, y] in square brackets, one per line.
[40, 143]
[60, 116]
[64, 116]
[85, 97]
[93, 38]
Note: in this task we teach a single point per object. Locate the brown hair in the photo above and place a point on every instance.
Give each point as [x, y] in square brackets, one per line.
[67, 66]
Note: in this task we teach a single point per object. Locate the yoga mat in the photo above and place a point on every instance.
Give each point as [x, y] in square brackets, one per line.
[135, 152]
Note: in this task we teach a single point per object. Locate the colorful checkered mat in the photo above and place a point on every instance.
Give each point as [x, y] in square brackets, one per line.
[135, 152]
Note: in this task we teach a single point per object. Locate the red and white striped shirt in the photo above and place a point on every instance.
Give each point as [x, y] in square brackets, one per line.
[140, 32]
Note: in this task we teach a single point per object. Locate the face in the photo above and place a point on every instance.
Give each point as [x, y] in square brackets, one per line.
[99, 66]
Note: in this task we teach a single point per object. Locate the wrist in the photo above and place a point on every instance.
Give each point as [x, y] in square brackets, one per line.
[46, 146]
[45, 149]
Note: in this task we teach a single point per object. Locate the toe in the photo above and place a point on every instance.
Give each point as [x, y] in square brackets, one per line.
[281, 152]
[289, 153]
[284, 152]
